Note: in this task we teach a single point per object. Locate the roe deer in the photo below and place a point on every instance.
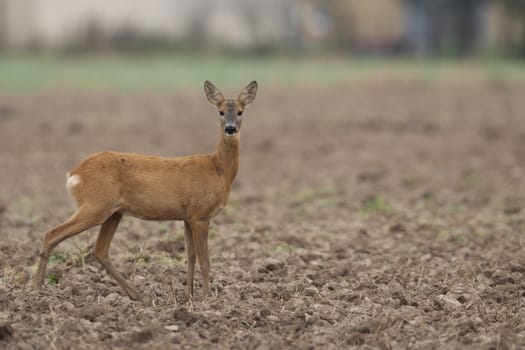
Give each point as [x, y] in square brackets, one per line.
[194, 188]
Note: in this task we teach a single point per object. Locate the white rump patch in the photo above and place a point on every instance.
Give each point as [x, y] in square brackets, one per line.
[72, 181]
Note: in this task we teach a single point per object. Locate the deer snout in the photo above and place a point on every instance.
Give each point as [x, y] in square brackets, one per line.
[230, 129]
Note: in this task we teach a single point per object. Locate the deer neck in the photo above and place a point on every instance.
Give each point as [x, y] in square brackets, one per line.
[227, 155]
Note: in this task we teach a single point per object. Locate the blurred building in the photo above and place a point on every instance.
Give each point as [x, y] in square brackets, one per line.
[382, 26]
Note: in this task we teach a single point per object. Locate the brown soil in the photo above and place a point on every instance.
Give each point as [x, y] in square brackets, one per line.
[382, 216]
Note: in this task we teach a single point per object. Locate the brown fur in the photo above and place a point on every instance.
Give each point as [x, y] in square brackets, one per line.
[192, 188]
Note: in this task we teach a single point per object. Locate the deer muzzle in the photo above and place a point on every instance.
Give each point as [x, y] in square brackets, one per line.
[230, 129]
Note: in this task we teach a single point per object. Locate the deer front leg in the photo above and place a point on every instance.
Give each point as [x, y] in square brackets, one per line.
[199, 230]
[190, 251]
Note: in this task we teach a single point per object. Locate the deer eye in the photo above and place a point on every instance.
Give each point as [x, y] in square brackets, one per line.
[221, 113]
[239, 113]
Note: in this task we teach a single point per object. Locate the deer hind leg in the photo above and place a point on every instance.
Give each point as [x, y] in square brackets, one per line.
[190, 251]
[199, 230]
[101, 252]
[83, 219]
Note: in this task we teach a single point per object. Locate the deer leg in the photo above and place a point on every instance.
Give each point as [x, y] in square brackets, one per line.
[199, 231]
[80, 221]
[190, 251]
[101, 252]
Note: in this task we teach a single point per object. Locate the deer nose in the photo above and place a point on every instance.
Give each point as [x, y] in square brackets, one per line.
[230, 129]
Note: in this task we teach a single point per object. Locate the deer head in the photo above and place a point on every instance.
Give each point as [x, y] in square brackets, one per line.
[230, 110]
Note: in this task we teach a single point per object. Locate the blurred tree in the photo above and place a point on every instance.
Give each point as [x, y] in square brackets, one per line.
[467, 22]
[341, 12]
[515, 10]
[367, 27]
[444, 26]
[3, 24]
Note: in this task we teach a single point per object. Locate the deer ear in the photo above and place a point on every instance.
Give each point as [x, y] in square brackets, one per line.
[247, 94]
[212, 93]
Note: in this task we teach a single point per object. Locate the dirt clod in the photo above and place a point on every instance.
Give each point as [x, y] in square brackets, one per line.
[172, 328]
[397, 228]
[447, 302]
[271, 264]
[142, 336]
[186, 317]
[6, 331]
[502, 277]
[92, 312]
[311, 291]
